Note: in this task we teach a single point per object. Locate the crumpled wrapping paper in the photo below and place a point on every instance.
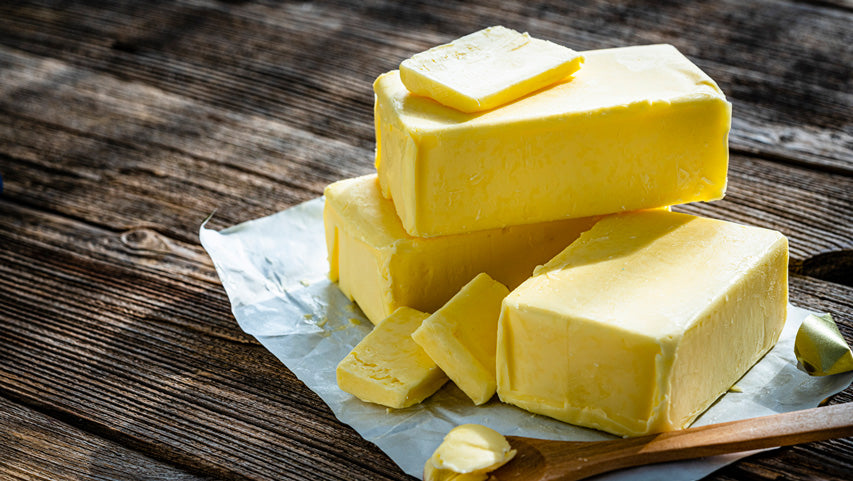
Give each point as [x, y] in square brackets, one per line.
[274, 270]
[820, 348]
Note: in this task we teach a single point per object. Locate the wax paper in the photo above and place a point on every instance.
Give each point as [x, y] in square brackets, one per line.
[274, 270]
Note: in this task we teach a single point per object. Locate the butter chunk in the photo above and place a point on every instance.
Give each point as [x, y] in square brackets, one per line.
[461, 337]
[643, 322]
[377, 264]
[387, 367]
[636, 127]
[468, 453]
[487, 68]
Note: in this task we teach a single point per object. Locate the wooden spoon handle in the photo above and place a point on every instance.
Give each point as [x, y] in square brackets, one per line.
[757, 433]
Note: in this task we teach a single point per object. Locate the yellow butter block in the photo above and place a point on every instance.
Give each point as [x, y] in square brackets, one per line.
[387, 367]
[636, 127]
[487, 68]
[377, 264]
[461, 337]
[643, 322]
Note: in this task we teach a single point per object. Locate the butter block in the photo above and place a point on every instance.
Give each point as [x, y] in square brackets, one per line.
[377, 264]
[636, 128]
[468, 453]
[643, 322]
[461, 337]
[487, 68]
[387, 367]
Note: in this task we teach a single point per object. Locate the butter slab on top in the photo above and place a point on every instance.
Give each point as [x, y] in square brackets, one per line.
[636, 127]
[487, 69]
[643, 322]
[377, 264]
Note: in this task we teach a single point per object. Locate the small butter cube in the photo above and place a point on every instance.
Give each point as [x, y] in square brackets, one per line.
[486, 69]
[636, 128]
[643, 322]
[461, 336]
[377, 264]
[468, 453]
[387, 367]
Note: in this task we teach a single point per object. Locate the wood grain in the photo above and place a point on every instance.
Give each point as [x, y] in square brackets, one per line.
[112, 355]
[124, 124]
[790, 90]
[202, 167]
[35, 444]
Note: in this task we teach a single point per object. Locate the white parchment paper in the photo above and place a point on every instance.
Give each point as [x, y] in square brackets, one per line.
[274, 270]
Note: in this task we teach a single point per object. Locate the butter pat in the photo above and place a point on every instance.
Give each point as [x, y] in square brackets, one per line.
[461, 336]
[387, 367]
[486, 69]
[468, 453]
[636, 127]
[377, 264]
[640, 324]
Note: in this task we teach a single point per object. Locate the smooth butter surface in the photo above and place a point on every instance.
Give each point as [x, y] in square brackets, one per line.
[487, 68]
[387, 367]
[377, 264]
[645, 320]
[636, 127]
[461, 336]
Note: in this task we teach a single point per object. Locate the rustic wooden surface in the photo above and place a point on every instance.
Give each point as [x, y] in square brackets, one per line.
[124, 124]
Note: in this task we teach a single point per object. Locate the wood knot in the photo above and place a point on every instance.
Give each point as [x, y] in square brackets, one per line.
[143, 239]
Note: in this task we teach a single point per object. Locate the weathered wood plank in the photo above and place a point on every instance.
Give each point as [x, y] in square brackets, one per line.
[38, 447]
[783, 64]
[163, 171]
[164, 266]
[105, 349]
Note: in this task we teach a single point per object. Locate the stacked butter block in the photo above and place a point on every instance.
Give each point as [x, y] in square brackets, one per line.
[497, 153]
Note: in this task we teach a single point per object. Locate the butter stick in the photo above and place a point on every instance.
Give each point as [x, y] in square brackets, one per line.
[461, 336]
[387, 367]
[377, 264]
[643, 322]
[486, 69]
[636, 127]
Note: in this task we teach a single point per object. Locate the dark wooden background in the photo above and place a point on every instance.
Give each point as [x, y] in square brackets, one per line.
[124, 124]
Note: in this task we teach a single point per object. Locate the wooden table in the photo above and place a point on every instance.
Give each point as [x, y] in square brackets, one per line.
[124, 124]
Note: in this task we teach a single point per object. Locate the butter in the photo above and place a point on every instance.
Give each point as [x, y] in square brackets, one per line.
[487, 68]
[461, 337]
[387, 367]
[636, 127]
[468, 453]
[377, 264]
[639, 325]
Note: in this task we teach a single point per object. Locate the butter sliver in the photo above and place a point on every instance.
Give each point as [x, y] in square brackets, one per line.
[461, 336]
[486, 69]
[387, 367]
[468, 453]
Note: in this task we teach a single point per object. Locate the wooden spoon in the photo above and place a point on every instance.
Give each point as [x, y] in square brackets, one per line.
[541, 459]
